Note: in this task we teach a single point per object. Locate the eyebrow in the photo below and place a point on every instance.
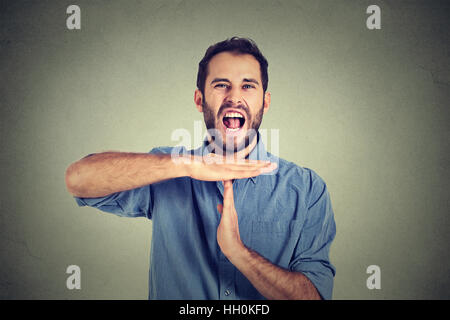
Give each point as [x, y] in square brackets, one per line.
[219, 80]
[243, 80]
[251, 80]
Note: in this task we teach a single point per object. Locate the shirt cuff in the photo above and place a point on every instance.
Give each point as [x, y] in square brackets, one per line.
[320, 275]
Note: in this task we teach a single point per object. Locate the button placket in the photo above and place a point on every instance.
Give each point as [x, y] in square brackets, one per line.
[226, 280]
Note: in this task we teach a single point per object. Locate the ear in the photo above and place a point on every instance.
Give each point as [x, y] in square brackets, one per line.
[198, 99]
[266, 101]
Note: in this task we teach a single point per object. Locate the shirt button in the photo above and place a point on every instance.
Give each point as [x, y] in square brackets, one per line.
[227, 292]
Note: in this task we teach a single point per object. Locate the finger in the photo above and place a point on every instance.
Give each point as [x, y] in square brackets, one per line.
[232, 174]
[216, 159]
[241, 174]
[246, 174]
[237, 167]
[228, 200]
[246, 162]
[247, 167]
[269, 168]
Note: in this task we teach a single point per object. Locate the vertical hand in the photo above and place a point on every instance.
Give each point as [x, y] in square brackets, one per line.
[228, 236]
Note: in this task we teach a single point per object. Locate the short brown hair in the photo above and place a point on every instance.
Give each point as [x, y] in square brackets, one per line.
[234, 44]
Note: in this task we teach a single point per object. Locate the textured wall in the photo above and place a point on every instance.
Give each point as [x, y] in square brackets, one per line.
[366, 109]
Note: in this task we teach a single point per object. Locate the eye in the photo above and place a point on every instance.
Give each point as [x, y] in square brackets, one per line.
[248, 86]
[221, 85]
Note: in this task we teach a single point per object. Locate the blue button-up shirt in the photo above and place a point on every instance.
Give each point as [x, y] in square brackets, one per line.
[285, 216]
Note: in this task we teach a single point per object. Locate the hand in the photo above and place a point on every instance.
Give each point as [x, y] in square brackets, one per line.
[228, 236]
[216, 168]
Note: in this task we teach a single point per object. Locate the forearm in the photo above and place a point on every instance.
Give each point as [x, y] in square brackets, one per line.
[272, 281]
[109, 172]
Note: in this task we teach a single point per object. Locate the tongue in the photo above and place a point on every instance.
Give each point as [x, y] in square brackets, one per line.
[232, 123]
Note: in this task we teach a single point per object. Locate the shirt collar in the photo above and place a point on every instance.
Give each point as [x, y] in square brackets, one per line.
[258, 152]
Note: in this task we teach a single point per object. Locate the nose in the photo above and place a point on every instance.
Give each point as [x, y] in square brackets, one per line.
[234, 96]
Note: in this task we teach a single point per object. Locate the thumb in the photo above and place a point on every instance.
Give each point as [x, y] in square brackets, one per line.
[220, 208]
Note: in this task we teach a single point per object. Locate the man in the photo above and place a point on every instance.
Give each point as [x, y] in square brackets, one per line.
[230, 220]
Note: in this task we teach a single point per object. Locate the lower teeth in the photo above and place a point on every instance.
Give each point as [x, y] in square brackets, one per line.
[232, 130]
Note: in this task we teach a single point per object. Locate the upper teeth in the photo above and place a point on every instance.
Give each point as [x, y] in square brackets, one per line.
[233, 115]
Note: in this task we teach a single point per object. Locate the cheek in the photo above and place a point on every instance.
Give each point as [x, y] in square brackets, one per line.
[216, 104]
[254, 97]
[256, 104]
[209, 108]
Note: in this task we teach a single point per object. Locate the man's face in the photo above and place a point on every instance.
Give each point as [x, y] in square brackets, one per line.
[234, 101]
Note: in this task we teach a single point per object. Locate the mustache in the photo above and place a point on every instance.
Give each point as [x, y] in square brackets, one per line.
[240, 107]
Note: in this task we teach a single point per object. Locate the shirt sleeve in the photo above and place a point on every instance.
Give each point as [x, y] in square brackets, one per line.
[131, 203]
[311, 256]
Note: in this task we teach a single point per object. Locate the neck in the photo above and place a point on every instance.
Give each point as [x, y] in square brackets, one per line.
[241, 154]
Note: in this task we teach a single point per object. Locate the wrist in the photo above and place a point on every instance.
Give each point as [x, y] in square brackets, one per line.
[189, 165]
[178, 166]
[184, 167]
[239, 256]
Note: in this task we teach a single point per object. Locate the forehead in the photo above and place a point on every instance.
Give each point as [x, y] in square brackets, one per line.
[234, 66]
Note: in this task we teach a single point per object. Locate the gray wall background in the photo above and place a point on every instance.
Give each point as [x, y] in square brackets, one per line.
[367, 110]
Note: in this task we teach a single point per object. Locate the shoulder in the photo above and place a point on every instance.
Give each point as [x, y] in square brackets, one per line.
[299, 179]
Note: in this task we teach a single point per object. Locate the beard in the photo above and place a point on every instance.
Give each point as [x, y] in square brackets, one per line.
[213, 122]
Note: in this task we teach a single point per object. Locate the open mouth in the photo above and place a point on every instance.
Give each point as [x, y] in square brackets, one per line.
[233, 121]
